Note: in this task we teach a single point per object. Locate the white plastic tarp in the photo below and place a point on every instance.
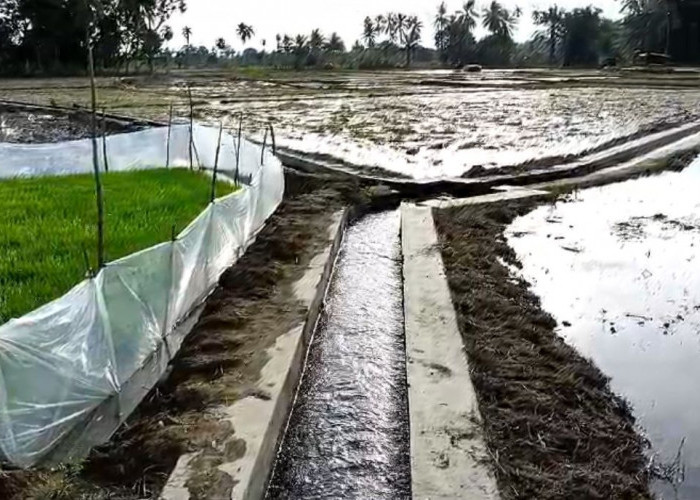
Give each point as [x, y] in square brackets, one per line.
[62, 361]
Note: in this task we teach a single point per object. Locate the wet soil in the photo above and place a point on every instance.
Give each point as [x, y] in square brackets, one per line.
[219, 362]
[389, 121]
[18, 125]
[348, 431]
[552, 424]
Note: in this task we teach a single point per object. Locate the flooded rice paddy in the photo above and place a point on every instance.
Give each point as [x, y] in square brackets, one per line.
[423, 124]
[445, 133]
[617, 266]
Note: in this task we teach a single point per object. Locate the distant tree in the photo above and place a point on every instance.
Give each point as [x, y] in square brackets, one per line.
[553, 21]
[316, 40]
[440, 24]
[245, 32]
[300, 45]
[335, 43]
[581, 42]
[468, 15]
[187, 33]
[220, 44]
[410, 29]
[278, 39]
[499, 20]
[287, 44]
[369, 33]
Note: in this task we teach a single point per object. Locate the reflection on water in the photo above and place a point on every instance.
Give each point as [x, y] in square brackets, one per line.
[348, 432]
[621, 266]
[425, 131]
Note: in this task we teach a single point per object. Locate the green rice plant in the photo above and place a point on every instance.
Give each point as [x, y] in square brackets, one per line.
[47, 225]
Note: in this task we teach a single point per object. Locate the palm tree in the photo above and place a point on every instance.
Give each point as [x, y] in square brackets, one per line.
[380, 23]
[369, 33]
[498, 20]
[316, 40]
[468, 15]
[245, 32]
[440, 24]
[390, 27]
[187, 33]
[553, 20]
[221, 45]
[278, 39]
[335, 43]
[300, 44]
[410, 33]
[287, 44]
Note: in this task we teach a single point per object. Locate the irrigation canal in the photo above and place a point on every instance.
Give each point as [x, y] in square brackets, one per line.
[348, 433]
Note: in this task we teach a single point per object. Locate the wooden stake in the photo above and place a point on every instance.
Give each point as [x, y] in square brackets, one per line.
[170, 127]
[189, 94]
[238, 148]
[216, 163]
[95, 163]
[104, 141]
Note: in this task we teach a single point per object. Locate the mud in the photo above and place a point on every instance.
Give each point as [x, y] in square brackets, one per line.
[18, 125]
[553, 426]
[219, 363]
[392, 122]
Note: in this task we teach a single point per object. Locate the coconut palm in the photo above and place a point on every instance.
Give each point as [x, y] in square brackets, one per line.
[300, 44]
[187, 33]
[287, 44]
[316, 40]
[335, 43]
[498, 20]
[220, 44]
[278, 39]
[410, 35]
[369, 33]
[553, 20]
[391, 26]
[468, 15]
[440, 24]
[380, 23]
[245, 32]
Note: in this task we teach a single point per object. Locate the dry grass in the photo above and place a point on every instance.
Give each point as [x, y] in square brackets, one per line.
[554, 428]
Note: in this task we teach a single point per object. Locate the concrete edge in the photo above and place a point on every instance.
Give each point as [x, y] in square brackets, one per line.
[449, 458]
[260, 423]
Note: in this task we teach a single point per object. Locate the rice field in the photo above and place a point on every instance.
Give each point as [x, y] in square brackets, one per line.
[48, 224]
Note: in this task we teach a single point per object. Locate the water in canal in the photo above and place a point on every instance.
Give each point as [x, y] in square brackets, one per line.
[348, 433]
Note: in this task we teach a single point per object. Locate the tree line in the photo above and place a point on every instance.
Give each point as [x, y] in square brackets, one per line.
[52, 36]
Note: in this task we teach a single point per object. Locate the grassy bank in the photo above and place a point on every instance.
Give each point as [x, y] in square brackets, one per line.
[45, 223]
[553, 426]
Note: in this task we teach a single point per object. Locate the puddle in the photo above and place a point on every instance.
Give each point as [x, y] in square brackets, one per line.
[619, 268]
[348, 432]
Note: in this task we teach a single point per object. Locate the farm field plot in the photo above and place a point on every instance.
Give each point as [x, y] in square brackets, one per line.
[46, 225]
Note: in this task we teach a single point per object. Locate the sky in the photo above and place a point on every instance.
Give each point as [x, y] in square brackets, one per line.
[211, 19]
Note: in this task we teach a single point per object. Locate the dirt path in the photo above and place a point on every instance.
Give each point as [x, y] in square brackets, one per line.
[553, 426]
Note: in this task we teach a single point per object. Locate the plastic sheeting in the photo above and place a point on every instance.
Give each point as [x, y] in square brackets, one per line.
[64, 361]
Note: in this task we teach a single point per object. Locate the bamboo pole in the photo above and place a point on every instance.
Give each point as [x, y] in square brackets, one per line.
[189, 95]
[238, 148]
[95, 163]
[170, 127]
[216, 163]
[104, 141]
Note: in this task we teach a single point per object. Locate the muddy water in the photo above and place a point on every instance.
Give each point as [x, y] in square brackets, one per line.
[619, 268]
[348, 431]
[424, 132]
